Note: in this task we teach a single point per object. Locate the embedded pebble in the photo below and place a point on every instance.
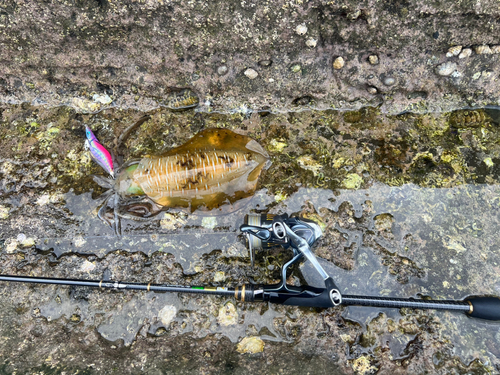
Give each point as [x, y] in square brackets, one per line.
[483, 50]
[454, 51]
[301, 29]
[85, 104]
[296, 68]
[372, 90]
[221, 70]
[10, 245]
[167, 314]
[265, 63]
[79, 241]
[228, 315]
[103, 99]
[43, 200]
[25, 241]
[250, 345]
[446, 68]
[389, 81]
[466, 52]
[338, 63]
[87, 266]
[251, 74]
[209, 222]
[373, 59]
[354, 15]
[311, 42]
[4, 212]
[219, 276]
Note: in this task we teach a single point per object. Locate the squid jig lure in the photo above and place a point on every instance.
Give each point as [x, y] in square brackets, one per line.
[99, 154]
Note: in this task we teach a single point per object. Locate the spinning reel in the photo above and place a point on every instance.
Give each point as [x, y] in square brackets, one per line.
[264, 231]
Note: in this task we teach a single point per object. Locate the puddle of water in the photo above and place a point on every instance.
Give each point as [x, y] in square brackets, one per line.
[443, 240]
[448, 234]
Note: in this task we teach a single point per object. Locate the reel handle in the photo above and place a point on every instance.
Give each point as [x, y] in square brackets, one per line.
[484, 307]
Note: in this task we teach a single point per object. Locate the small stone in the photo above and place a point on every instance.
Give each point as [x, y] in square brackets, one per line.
[4, 212]
[495, 49]
[250, 345]
[354, 15]
[301, 29]
[167, 314]
[87, 266]
[102, 99]
[209, 222]
[373, 59]
[372, 90]
[43, 200]
[483, 50]
[27, 242]
[75, 318]
[454, 51]
[265, 63]
[10, 245]
[251, 74]
[338, 63]
[219, 276]
[446, 68]
[466, 52]
[311, 42]
[79, 241]
[228, 315]
[296, 68]
[221, 70]
[389, 81]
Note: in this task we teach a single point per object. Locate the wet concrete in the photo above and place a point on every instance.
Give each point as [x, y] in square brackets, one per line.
[408, 205]
[238, 56]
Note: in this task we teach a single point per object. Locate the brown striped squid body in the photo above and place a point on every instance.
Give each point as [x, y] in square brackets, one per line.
[215, 167]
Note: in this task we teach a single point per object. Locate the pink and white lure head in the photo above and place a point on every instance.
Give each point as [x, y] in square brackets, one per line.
[100, 155]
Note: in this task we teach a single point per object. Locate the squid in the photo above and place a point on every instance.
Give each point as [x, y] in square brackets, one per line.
[215, 167]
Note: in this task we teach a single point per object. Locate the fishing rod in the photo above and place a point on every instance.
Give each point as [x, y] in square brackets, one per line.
[299, 235]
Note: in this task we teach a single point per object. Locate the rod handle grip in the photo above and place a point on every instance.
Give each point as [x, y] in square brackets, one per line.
[484, 307]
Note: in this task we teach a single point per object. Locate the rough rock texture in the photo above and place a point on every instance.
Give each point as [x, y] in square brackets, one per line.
[408, 205]
[408, 202]
[135, 52]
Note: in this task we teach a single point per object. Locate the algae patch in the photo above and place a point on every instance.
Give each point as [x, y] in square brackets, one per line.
[352, 181]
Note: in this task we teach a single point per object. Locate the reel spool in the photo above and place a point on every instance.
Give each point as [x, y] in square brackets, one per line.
[253, 242]
[263, 231]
